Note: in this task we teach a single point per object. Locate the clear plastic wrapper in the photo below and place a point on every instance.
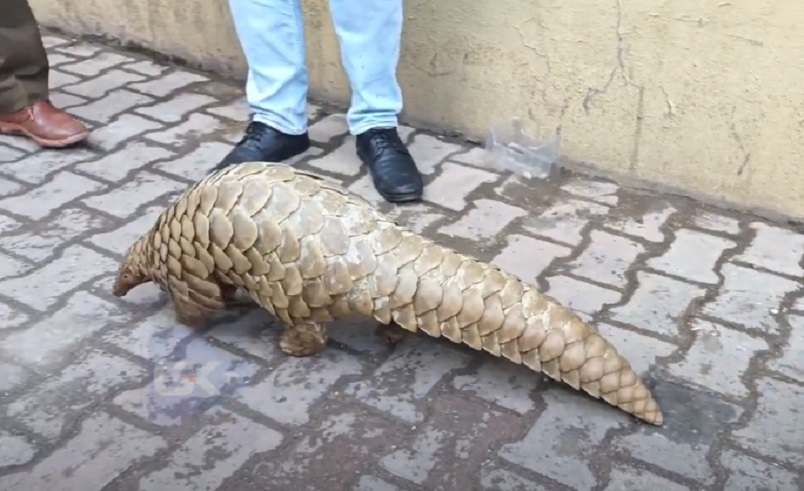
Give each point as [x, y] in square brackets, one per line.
[509, 147]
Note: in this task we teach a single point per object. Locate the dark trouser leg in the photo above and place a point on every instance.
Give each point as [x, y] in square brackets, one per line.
[23, 60]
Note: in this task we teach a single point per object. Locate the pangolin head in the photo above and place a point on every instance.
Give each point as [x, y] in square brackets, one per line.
[134, 268]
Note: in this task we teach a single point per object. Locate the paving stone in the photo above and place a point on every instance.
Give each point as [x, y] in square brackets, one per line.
[11, 317]
[66, 101]
[342, 161]
[55, 405]
[8, 224]
[15, 450]
[175, 109]
[51, 341]
[647, 227]
[692, 255]
[791, 363]
[371, 483]
[658, 304]
[717, 346]
[11, 267]
[563, 439]
[36, 168]
[111, 105]
[195, 165]
[775, 429]
[484, 221]
[753, 308]
[9, 187]
[692, 420]
[7, 153]
[104, 447]
[628, 478]
[416, 217]
[147, 67]
[133, 156]
[213, 454]
[749, 474]
[78, 49]
[53, 41]
[43, 287]
[196, 126]
[288, 394]
[459, 431]
[237, 110]
[97, 87]
[526, 257]
[416, 463]
[58, 79]
[640, 350]
[186, 383]
[253, 334]
[329, 127]
[118, 241]
[471, 154]
[501, 382]
[92, 67]
[600, 191]
[42, 242]
[166, 84]
[453, 185]
[775, 249]
[717, 223]
[153, 338]
[429, 151]
[334, 446]
[564, 221]
[364, 187]
[583, 298]
[492, 479]
[11, 376]
[126, 126]
[124, 201]
[606, 258]
[402, 383]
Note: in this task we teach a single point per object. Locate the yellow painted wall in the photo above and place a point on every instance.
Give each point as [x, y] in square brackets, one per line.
[703, 96]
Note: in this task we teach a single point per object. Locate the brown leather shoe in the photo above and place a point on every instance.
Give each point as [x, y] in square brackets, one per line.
[44, 124]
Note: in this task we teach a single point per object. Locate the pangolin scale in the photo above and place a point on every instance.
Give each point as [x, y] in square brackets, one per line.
[310, 252]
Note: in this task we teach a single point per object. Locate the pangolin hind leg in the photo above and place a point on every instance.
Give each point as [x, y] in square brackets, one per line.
[304, 338]
[392, 334]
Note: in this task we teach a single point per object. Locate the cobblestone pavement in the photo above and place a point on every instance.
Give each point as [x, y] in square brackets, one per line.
[103, 393]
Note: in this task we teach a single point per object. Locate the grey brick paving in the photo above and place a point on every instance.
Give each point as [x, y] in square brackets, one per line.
[99, 393]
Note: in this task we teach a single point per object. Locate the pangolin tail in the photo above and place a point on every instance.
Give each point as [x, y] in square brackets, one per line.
[473, 303]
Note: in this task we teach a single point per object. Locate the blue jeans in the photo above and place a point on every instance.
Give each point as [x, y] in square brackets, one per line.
[271, 33]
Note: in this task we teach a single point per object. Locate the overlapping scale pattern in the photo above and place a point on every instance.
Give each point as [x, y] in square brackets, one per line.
[307, 250]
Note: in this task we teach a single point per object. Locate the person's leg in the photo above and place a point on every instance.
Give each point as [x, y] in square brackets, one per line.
[271, 34]
[24, 105]
[369, 33]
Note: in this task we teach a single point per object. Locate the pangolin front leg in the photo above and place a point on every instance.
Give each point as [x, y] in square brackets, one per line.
[192, 307]
[304, 338]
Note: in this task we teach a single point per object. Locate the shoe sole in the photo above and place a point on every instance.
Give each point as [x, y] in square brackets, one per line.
[17, 130]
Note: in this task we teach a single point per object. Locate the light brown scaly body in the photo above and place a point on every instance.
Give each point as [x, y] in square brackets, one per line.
[309, 252]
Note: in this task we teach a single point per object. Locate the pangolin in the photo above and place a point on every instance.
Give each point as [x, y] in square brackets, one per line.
[309, 252]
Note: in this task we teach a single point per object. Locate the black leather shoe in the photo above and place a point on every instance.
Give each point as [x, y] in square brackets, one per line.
[392, 167]
[262, 143]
